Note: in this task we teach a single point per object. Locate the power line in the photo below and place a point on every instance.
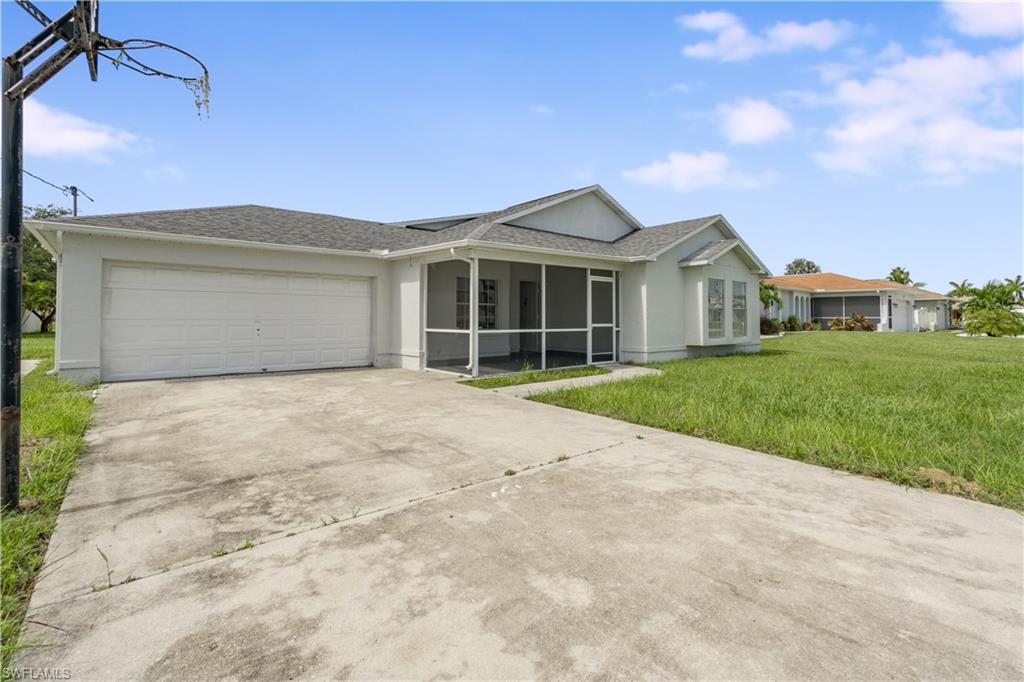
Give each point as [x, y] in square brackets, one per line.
[65, 190]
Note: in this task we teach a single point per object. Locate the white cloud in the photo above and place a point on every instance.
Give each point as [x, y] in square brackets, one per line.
[734, 42]
[51, 132]
[167, 171]
[997, 19]
[927, 112]
[751, 121]
[817, 35]
[542, 109]
[684, 172]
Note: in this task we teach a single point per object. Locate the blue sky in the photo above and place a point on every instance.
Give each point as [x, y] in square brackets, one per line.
[861, 136]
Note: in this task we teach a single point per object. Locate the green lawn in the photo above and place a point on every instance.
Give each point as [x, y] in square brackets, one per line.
[536, 376]
[38, 345]
[54, 416]
[886, 405]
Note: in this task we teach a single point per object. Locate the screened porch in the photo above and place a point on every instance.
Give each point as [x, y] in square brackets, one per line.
[518, 316]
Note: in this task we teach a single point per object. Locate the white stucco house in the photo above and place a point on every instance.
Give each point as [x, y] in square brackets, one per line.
[567, 279]
[819, 297]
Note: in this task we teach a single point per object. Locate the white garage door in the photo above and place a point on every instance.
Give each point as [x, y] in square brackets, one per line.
[163, 322]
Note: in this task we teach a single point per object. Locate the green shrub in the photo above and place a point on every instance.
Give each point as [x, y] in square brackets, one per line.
[994, 322]
[793, 323]
[770, 327]
[852, 323]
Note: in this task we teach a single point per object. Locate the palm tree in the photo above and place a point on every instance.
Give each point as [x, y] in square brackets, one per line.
[919, 285]
[899, 275]
[960, 289]
[1016, 286]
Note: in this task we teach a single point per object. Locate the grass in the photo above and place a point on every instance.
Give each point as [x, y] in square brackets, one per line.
[54, 416]
[37, 345]
[888, 405]
[531, 376]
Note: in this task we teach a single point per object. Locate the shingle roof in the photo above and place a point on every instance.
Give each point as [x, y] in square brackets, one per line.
[263, 224]
[709, 251]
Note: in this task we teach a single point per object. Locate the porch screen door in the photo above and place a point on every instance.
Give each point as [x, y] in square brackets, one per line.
[602, 320]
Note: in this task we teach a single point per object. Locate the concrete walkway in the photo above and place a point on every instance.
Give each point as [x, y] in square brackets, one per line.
[28, 365]
[389, 543]
[617, 373]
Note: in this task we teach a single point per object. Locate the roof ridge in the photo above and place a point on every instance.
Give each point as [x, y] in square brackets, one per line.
[684, 220]
[152, 212]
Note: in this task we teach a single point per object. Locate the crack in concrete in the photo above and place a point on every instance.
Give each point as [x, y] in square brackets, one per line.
[358, 517]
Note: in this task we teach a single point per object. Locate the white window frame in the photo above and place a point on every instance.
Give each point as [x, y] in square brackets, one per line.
[711, 309]
[746, 317]
[488, 311]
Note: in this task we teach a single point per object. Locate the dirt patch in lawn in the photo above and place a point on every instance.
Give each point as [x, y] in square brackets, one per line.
[945, 482]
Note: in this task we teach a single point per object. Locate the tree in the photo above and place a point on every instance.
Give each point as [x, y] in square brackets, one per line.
[769, 294]
[1016, 287]
[899, 275]
[38, 270]
[993, 296]
[802, 266]
[960, 289]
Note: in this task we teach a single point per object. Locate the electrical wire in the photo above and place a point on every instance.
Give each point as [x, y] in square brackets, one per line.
[66, 189]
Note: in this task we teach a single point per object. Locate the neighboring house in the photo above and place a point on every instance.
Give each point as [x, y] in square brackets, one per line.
[568, 279]
[30, 323]
[820, 297]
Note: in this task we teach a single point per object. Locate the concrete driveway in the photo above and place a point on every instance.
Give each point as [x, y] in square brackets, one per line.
[387, 542]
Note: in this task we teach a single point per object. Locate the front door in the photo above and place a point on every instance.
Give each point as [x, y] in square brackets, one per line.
[529, 316]
[601, 344]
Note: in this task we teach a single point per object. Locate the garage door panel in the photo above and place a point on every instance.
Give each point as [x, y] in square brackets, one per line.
[169, 362]
[206, 362]
[205, 333]
[159, 333]
[242, 361]
[118, 333]
[303, 332]
[172, 321]
[127, 275]
[274, 332]
[240, 331]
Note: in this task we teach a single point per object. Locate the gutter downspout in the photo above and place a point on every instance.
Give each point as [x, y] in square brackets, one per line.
[474, 310]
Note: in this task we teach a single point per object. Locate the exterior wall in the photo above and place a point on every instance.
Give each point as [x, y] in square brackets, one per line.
[902, 312]
[676, 299]
[584, 216]
[632, 311]
[80, 281]
[933, 315]
[405, 314]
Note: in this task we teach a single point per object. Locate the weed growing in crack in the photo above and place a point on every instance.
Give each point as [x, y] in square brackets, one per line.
[106, 562]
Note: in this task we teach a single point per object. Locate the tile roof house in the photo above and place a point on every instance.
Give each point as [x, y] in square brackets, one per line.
[567, 279]
[820, 297]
